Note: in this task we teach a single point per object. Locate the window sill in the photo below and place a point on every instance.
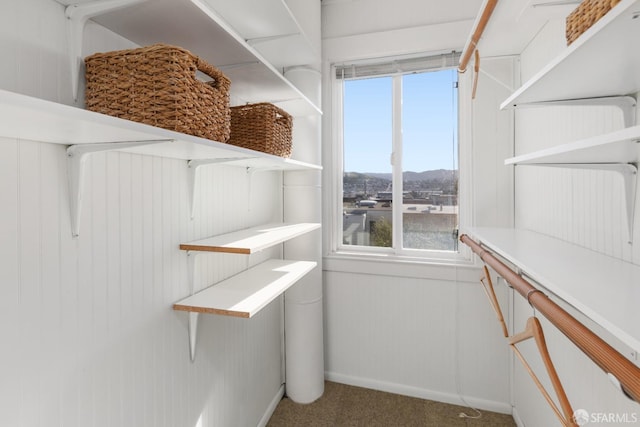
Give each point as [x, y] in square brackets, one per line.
[399, 266]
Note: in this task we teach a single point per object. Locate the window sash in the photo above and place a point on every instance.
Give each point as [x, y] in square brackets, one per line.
[364, 69]
[338, 75]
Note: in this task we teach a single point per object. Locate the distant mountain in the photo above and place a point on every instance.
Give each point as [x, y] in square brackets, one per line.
[434, 175]
[374, 179]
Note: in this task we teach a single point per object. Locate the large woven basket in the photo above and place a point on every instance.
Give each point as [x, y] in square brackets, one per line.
[585, 15]
[261, 127]
[157, 85]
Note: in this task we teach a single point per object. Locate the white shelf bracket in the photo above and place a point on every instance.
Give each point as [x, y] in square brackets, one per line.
[193, 316]
[627, 105]
[251, 170]
[193, 166]
[76, 157]
[77, 16]
[629, 174]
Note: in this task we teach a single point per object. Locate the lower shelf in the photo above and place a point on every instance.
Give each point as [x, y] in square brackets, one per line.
[604, 289]
[246, 293]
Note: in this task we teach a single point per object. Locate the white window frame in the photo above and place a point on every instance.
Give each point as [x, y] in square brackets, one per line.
[335, 247]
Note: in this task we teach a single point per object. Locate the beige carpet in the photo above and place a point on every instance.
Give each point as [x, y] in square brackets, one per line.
[343, 405]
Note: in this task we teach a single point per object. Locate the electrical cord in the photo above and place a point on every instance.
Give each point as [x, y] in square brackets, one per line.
[457, 352]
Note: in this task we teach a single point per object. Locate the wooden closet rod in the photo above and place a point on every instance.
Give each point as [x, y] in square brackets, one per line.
[477, 33]
[601, 353]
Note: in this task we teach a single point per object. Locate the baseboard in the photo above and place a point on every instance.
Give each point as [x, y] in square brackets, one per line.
[454, 399]
[516, 418]
[272, 407]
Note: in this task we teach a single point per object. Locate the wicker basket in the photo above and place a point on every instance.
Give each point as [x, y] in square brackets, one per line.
[585, 15]
[261, 127]
[157, 85]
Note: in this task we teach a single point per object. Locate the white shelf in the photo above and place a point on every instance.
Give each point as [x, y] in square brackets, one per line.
[603, 61]
[35, 119]
[250, 240]
[605, 289]
[617, 152]
[521, 20]
[86, 132]
[246, 293]
[194, 25]
[271, 28]
[616, 147]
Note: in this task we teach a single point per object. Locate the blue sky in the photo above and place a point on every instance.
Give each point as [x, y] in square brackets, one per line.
[429, 122]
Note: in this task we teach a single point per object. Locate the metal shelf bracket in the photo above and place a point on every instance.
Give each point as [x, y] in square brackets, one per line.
[627, 105]
[77, 16]
[193, 316]
[629, 174]
[76, 157]
[193, 166]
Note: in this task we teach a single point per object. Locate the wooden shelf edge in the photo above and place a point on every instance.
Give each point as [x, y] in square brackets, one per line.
[217, 249]
[250, 240]
[211, 310]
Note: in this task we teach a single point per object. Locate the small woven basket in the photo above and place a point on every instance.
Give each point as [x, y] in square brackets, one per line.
[157, 85]
[585, 15]
[261, 127]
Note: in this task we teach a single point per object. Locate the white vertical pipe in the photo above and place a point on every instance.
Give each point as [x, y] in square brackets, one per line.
[304, 346]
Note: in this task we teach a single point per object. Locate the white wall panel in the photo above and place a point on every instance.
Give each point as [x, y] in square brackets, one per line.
[88, 330]
[421, 337]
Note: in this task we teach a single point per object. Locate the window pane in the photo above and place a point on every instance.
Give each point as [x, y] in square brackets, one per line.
[367, 147]
[430, 161]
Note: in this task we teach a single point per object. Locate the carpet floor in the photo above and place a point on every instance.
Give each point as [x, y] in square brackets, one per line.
[344, 405]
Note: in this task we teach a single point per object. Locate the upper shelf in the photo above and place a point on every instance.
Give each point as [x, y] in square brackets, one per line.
[603, 288]
[194, 25]
[250, 240]
[617, 147]
[40, 120]
[271, 28]
[603, 61]
[515, 23]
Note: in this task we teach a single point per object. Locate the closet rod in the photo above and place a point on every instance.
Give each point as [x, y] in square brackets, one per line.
[489, 6]
[601, 353]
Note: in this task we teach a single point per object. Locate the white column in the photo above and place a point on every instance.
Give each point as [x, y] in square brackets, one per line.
[304, 349]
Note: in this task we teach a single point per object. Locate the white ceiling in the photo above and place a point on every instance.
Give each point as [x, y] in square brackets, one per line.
[352, 17]
[513, 24]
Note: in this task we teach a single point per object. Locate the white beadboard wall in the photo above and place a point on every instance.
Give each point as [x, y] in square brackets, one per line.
[585, 207]
[89, 337]
[420, 337]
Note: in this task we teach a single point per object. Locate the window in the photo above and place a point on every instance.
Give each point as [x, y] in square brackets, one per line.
[399, 144]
